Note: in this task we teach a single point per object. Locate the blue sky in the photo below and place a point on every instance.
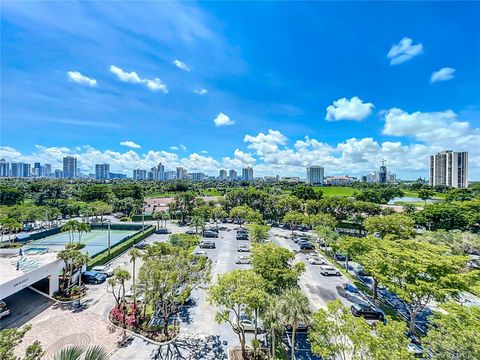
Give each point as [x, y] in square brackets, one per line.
[212, 85]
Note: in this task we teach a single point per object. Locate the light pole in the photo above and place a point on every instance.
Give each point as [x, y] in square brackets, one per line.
[108, 222]
[143, 217]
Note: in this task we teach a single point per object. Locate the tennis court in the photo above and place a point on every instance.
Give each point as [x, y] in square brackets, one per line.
[95, 241]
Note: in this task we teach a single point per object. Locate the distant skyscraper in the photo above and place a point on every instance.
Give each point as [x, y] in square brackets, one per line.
[47, 170]
[58, 174]
[181, 173]
[20, 170]
[37, 169]
[197, 176]
[4, 168]
[222, 174]
[117, 176]
[315, 175]
[170, 175]
[139, 174]
[232, 175]
[382, 174]
[247, 174]
[102, 171]
[449, 168]
[70, 167]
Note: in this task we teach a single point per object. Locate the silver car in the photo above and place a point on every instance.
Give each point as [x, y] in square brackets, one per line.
[242, 260]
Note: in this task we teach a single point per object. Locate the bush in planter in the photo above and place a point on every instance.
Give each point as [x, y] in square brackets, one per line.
[125, 218]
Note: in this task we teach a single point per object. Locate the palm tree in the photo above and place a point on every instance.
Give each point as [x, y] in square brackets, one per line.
[165, 216]
[295, 309]
[82, 228]
[198, 222]
[85, 353]
[134, 255]
[78, 261]
[70, 226]
[121, 276]
[272, 320]
[157, 215]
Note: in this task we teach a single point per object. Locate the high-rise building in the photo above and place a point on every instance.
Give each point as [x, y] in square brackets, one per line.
[117, 176]
[58, 174]
[222, 174]
[102, 171]
[247, 174]
[70, 170]
[4, 168]
[232, 175]
[382, 174]
[449, 168]
[181, 173]
[37, 169]
[197, 176]
[170, 175]
[20, 170]
[139, 174]
[47, 170]
[315, 175]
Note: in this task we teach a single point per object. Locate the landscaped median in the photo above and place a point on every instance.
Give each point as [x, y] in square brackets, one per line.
[119, 248]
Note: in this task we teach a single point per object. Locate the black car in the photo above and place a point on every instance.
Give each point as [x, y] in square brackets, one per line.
[306, 246]
[140, 245]
[340, 257]
[367, 311]
[190, 232]
[210, 234]
[162, 231]
[242, 236]
[93, 277]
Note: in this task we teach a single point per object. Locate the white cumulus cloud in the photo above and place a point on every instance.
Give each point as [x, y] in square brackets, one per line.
[403, 51]
[223, 120]
[344, 109]
[77, 77]
[181, 65]
[132, 77]
[200, 91]
[443, 74]
[130, 144]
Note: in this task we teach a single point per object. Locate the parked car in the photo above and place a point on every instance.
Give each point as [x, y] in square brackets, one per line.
[210, 234]
[103, 270]
[140, 245]
[367, 311]
[326, 270]
[207, 244]
[340, 257]
[242, 260]
[242, 230]
[201, 253]
[4, 310]
[243, 248]
[301, 327]
[316, 260]
[306, 246]
[242, 236]
[162, 231]
[248, 324]
[190, 232]
[93, 277]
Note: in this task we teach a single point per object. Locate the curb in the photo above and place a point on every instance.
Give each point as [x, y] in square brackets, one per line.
[56, 300]
[141, 336]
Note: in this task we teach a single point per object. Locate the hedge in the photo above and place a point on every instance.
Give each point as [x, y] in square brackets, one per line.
[139, 217]
[102, 257]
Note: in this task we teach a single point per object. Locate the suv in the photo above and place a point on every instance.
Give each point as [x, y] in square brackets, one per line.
[93, 277]
[4, 310]
[207, 244]
[306, 246]
[210, 234]
[242, 236]
[242, 260]
[326, 270]
[103, 270]
[162, 231]
[367, 311]
[140, 245]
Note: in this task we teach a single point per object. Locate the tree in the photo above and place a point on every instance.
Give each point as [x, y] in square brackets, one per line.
[460, 243]
[168, 276]
[10, 338]
[295, 309]
[258, 233]
[82, 228]
[244, 214]
[184, 241]
[398, 226]
[353, 247]
[78, 262]
[425, 194]
[321, 220]
[198, 222]
[95, 192]
[134, 254]
[236, 294]
[160, 216]
[10, 225]
[417, 272]
[273, 322]
[306, 192]
[70, 226]
[337, 334]
[327, 235]
[293, 218]
[77, 352]
[204, 212]
[275, 265]
[218, 214]
[183, 204]
[101, 208]
[69, 256]
[454, 334]
[10, 195]
[120, 277]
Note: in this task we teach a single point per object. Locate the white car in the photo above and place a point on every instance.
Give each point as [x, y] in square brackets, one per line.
[4, 310]
[248, 324]
[326, 270]
[242, 260]
[316, 260]
[103, 270]
[243, 248]
[201, 253]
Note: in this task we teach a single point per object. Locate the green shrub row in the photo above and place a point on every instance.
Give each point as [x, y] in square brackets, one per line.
[116, 250]
[139, 217]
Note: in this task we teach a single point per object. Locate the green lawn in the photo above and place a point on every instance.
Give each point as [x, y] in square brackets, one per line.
[335, 190]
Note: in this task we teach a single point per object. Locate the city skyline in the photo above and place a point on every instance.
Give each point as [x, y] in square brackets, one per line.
[162, 96]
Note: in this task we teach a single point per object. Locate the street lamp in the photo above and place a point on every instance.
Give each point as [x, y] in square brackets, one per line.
[108, 222]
